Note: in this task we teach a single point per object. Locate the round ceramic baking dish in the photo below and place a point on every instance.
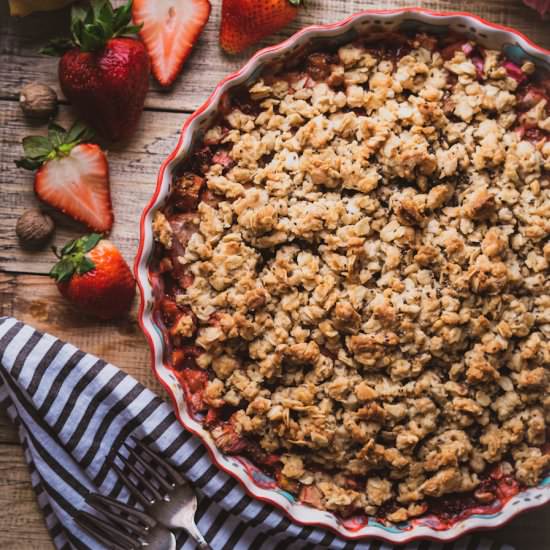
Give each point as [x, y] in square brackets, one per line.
[517, 48]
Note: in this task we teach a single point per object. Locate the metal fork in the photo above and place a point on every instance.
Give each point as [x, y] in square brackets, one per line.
[172, 502]
[125, 527]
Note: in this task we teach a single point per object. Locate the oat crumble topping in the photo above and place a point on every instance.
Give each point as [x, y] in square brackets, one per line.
[356, 266]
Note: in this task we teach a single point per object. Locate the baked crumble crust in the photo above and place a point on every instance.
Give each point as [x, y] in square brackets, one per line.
[356, 269]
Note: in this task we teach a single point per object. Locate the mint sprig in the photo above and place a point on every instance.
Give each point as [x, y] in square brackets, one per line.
[58, 143]
[73, 259]
[93, 25]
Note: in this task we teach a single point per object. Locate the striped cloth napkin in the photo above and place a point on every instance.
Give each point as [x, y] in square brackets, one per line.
[74, 411]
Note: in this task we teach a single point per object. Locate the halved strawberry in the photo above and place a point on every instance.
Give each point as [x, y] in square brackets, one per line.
[72, 176]
[170, 30]
[78, 185]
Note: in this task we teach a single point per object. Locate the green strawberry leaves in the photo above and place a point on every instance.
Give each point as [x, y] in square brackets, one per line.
[78, 133]
[93, 25]
[59, 143]
[84, 244]
[73, 259]
[56, 47]
[56, 134]
[36, 147]
[123, 17]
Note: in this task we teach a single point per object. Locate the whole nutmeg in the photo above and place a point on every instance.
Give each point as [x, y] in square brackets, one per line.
[34, 228]
[38, 100]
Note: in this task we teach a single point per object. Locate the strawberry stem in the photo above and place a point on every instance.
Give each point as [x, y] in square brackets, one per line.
[73, 257]
[93, 25]
[59, 143]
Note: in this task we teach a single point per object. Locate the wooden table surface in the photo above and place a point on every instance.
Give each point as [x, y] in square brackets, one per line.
[27, 293]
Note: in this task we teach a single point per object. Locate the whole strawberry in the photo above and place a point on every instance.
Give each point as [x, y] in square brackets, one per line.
[245, 22]
[104, 74]
[72, 175]
[92, 274]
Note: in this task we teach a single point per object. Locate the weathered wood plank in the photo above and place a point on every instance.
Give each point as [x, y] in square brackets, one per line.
[8, 434]
[20, 517]
[133, 172]
[34, 299]
[207, 65]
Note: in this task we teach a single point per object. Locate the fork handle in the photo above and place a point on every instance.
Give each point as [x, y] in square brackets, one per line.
[196, 534]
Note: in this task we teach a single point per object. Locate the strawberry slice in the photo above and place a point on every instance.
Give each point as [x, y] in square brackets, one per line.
[71, 176]
[78, 185]
[170, 30]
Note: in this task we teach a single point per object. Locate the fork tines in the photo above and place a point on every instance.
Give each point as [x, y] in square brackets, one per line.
[175, 477]
[116, 531]
[151, 473]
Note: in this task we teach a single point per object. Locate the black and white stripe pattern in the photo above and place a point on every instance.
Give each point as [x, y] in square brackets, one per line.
[73, 413]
